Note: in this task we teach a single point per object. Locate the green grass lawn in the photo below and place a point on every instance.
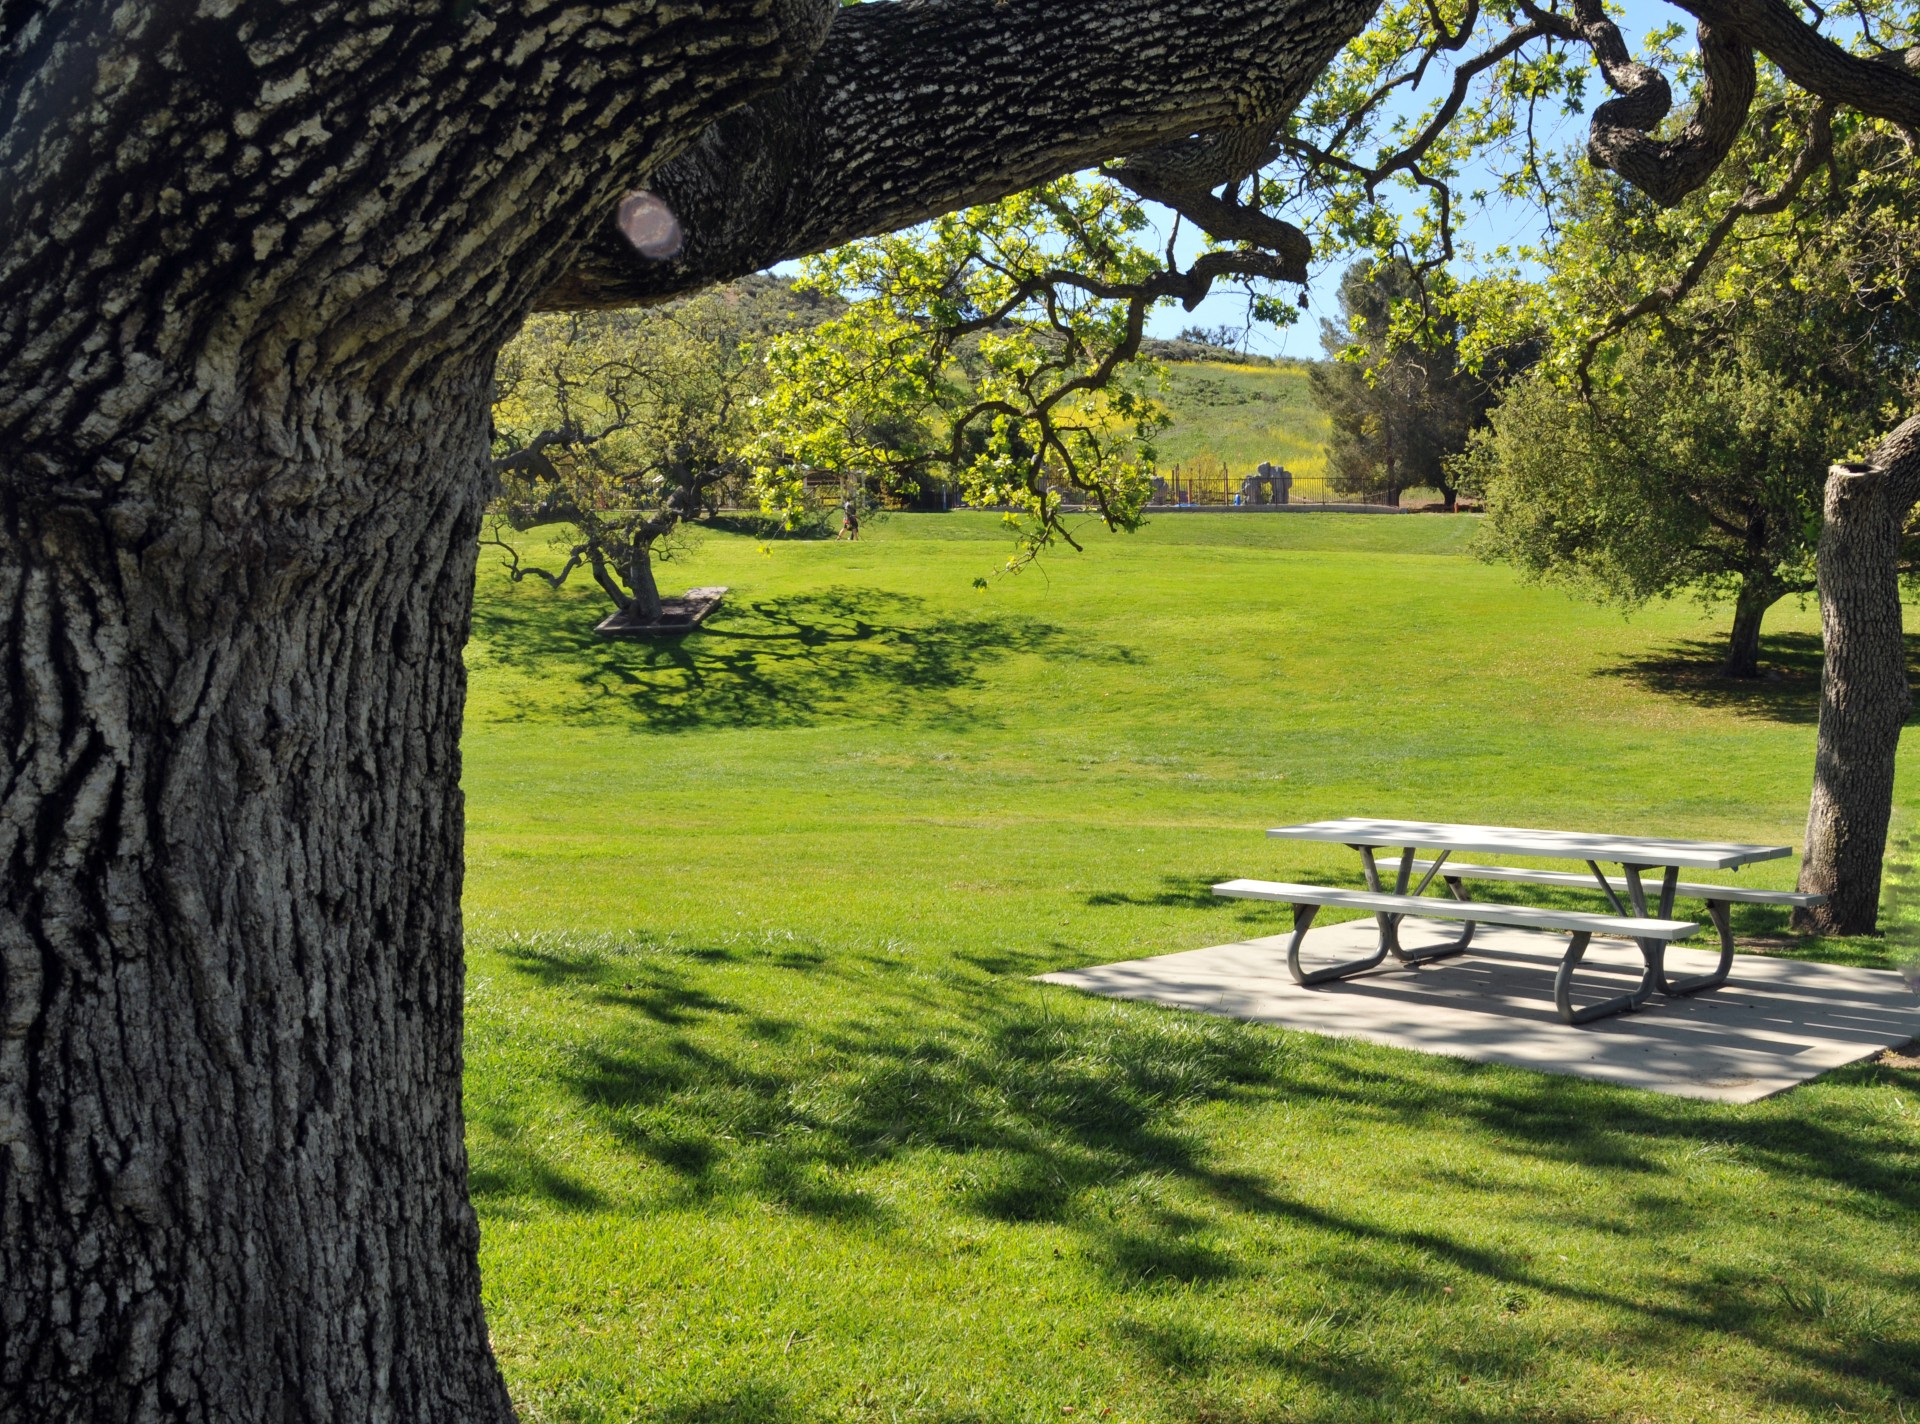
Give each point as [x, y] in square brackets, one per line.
[769, 1124]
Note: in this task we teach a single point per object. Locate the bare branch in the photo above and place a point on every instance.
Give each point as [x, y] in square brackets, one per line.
[1897, 456]
[1229, 222]
[517, 571]
[1408, 159]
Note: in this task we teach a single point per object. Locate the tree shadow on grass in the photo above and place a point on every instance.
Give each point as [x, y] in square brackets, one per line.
[1092, 1120]
[796, 661]
[1812, 1313]
[510, 1171]
[1177, 892]
[1787, 690]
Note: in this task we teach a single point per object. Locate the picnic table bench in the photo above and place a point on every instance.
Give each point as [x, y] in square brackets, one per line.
[1649, 924]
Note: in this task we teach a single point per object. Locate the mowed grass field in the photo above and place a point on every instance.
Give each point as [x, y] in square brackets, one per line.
[768, 1122]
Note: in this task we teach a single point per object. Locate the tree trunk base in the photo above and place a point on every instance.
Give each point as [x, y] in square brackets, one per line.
[1864, 702]
[1742, 659]
[233, 1179]
[677, 615]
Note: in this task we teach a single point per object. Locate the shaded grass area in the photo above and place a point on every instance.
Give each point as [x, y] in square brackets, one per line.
[799, 660]
[768, 1122]
[1788, 689]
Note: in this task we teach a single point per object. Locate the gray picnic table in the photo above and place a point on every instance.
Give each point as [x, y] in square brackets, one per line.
[1647, 921]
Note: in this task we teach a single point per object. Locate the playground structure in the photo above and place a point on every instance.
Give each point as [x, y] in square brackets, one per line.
[1212, 484]
[1209, 483]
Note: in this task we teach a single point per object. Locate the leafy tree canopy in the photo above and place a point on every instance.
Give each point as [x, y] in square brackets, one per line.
[995, 346]
[1685, 444]
[982, 341]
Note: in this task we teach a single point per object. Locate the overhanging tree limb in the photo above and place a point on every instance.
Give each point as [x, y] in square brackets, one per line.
[1883, 88]
[911, 110]
[1621, 132]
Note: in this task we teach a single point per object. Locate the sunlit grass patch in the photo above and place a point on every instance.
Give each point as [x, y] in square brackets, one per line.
[768, 1122]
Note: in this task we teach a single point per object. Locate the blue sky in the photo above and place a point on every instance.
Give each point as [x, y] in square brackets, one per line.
[1503, 222]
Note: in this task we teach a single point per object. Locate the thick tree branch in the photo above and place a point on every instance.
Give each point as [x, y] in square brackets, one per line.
[1620, 137]
[1230, 222]
[916, 108]
[1884, 88]
[1897, 456]
[532, 458]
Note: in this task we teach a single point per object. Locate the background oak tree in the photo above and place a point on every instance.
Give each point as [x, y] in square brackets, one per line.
[627, 427]
[1689, 449]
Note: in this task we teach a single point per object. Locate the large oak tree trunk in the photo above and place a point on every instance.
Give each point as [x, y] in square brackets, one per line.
[254, 264]
[1864, 700]
[253, 270]
[235, 1182]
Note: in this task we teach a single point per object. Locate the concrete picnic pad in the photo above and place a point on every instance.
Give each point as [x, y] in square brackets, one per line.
[1775, 1023]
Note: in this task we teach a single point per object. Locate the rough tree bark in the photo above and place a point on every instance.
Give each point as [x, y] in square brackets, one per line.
[229, 1077]
[254, 266]
[1864, 697]
[855, 144]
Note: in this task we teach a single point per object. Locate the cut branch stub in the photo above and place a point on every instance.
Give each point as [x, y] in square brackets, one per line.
[648, 223]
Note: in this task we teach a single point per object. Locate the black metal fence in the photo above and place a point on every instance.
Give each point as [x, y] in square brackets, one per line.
[1205, 485]
[1221, 487]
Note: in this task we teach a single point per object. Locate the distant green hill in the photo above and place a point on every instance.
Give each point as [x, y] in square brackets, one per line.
[1243, 414]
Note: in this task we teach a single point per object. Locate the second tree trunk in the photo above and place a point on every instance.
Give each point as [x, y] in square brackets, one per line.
[1756, 596]
[1864, 701]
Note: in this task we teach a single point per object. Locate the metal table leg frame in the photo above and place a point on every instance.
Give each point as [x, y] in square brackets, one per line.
[1302, 919]
[1563, 988]
[1390, 924]
[1450, 947]
[1457, 888]
[1693, 984]
[1654, 951]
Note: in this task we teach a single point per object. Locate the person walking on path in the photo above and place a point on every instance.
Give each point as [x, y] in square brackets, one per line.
[850, 526]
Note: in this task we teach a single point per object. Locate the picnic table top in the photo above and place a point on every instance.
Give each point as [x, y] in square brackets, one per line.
[1515, 840]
